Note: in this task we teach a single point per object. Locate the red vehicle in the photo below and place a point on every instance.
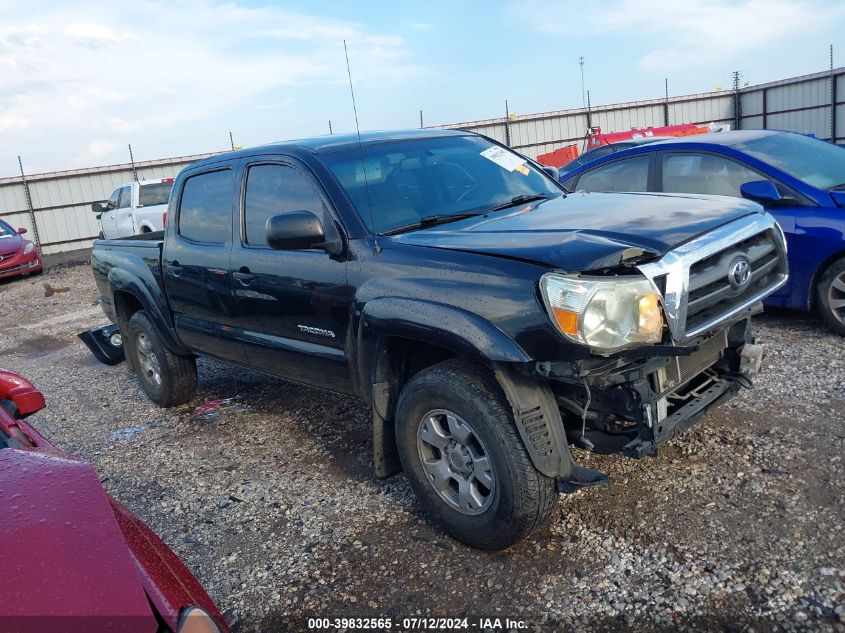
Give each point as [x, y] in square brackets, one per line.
[73, 559]
[18, 256]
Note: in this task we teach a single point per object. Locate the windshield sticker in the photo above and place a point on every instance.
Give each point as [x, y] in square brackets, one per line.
[523, 169]
[504, 159]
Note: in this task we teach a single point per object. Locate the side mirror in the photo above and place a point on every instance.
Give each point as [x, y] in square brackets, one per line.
[21, 231]
[296, 230]
[97, 207]
[552, 172]
[762, 191]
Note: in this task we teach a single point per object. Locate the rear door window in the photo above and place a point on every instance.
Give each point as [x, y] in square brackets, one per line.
[154, 194]
[205, 210]
[686, 172]
[628, 174]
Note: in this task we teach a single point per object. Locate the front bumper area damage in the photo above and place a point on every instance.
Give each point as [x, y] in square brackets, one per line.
[634, 406]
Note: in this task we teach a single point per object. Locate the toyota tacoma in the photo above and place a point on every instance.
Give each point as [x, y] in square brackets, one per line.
[488, 318]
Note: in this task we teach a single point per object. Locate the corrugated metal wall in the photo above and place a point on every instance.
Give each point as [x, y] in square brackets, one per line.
[62, 200]
[800, 104]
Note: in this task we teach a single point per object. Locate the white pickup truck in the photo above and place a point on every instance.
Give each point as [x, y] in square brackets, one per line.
[134, 208]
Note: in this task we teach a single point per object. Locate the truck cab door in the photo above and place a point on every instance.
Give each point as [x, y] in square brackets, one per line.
[195, 265]
[124, 223]
[108, 223]
[294, 305]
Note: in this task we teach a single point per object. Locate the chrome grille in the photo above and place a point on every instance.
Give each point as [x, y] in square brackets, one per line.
[698, 295]
[711, 292]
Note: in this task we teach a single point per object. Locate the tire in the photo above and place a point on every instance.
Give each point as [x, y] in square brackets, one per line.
[167, 378]
[831, 296]
[519, 497]
[101, 236]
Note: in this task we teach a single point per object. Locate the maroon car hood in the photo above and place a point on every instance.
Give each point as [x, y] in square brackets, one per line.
[64, 565]
[10, 244]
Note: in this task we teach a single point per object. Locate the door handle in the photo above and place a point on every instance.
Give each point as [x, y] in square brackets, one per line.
[243, 275]
[174, 269]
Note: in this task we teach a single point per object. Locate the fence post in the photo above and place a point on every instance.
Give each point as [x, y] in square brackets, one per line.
[132, 160]
[832, 99]
[666, 105]
[507, 125]
[765, 108]
[737, 103]
[37, 239]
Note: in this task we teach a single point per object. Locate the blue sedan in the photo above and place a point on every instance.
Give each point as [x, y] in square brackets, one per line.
[800, 180]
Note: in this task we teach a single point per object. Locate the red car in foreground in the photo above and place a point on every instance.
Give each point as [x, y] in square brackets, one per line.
[17, 255]
[73, 559]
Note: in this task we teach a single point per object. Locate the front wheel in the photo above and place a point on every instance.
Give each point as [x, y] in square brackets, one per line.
[167, 378]
[831, 296]
[462, 453]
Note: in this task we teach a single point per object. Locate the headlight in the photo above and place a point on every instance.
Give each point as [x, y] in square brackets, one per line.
[28, 248]
[195, 620]
[607, 314]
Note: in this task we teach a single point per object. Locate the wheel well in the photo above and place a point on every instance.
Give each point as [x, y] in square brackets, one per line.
[400, 358]
[125, 305]
[146, 229]
[814, 284]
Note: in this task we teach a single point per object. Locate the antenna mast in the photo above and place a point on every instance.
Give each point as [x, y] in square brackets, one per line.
[360, 146]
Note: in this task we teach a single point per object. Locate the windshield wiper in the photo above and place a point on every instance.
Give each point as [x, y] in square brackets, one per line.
[521, 199]
[428, 220]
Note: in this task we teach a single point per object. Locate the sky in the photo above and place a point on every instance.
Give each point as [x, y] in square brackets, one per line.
[80, 81]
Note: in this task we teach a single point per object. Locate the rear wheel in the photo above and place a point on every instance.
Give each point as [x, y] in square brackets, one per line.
[464, 458]
[167, 378]
[831, 296]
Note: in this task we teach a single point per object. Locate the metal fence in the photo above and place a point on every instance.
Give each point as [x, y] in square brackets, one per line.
[813, 104]
[56, 207]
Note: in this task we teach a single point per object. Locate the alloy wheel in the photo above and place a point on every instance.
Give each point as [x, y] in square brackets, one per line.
[455, 461]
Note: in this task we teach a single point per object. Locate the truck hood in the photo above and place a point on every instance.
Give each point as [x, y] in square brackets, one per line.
[587, 231]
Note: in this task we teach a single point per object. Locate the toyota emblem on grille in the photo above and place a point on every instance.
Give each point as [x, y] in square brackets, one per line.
[739, 273]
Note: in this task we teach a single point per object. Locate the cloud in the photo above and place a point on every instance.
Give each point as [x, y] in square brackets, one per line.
[13, 122]
[72, 73]
[92, 32]
[685, 34]
[96, 152]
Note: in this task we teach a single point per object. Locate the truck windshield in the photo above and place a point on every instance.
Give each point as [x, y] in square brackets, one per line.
[818, 163]
[408, 181]
[155, 193]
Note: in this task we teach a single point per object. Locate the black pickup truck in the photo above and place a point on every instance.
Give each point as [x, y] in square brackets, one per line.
[488, 318]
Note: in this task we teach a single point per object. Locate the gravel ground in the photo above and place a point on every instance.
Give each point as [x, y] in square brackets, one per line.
[737, 526]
